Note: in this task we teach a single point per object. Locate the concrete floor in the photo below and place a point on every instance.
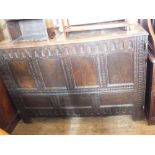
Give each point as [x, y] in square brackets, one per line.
[112, 125]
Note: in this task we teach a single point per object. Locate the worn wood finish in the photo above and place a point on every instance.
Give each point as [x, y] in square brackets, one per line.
[36, 102]
[52, 72]
[27, 29]
[84, 71]
[150, 93]
[150, 82]
[8, 114]
[115, 66]
[79, 27]
[72, 101]
[116, 99]
[111, 125]
[14, 29]
[77, 78]
[21, 72]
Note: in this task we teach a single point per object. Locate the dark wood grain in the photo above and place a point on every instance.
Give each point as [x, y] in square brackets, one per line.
[116, 71]
[22, 74]
[8, 114]
[36, 101]
[150, 90]
[75, 101]
[152, 106]
[52, 72]
[116, 99]
[84, 71]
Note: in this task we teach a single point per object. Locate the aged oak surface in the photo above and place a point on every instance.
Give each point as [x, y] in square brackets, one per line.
[84, 71]
[117, 73]
[99, 73]
[21, 73]
[52, 72]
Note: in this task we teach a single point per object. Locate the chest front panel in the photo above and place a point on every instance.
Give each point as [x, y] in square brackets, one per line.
[86, 77]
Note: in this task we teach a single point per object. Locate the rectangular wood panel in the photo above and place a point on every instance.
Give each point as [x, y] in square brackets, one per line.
[84, 71]
[120, 68]
[116, 98]
[36, 101]
[52, 72]
[75, 101]
[22, 74]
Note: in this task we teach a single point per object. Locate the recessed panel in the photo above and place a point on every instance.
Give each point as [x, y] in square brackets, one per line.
[75, 101]
[84, 71]
[52, 72]
[36, 101]
[22, 74]
[120, 68]
[116, 99]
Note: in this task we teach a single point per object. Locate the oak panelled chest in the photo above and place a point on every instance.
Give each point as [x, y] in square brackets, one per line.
[100, 73]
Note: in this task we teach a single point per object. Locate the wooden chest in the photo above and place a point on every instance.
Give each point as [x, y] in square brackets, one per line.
[93, 74]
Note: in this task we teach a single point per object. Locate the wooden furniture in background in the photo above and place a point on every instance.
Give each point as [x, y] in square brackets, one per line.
[88, 73]
[150, 83]
[8, 114]
[50, 28]
[150, 90]
[68, 27]
[27, 29]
